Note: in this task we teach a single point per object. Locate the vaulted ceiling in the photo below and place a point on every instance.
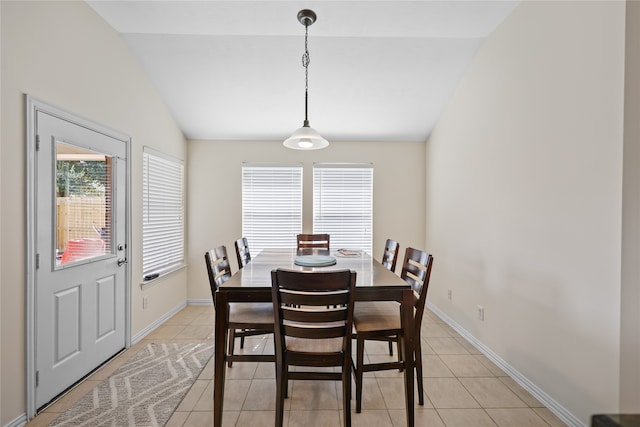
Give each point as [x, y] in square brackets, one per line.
[232, 70]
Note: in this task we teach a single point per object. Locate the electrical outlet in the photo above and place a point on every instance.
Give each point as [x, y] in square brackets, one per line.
[481, 313]
[450, 294]
[145, 301]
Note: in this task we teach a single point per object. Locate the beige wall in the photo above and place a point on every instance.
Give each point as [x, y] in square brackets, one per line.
[524, 208]
[64, 54]
[524, 183]
[630, 313]
[215, 205]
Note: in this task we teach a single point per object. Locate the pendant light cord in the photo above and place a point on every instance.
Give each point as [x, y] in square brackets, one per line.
[305, 64]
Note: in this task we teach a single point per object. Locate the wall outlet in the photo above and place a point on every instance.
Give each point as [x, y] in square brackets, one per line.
[481, 313]
[449, 294]
[145, 301]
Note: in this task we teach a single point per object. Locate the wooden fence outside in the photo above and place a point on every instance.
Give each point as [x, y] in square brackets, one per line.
[79, 218]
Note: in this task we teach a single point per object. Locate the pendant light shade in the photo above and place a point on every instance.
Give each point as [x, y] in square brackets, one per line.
[306, 138]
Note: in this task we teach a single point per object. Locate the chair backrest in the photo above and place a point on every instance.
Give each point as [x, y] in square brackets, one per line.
[242, 252]
[416, 270]
[218, 267]
[390, 255]
[313, 305]
[313, 241]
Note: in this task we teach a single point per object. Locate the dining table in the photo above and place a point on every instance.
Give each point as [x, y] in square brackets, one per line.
[252, 283]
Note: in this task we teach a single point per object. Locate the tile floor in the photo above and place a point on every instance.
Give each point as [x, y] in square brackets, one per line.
[462, 386]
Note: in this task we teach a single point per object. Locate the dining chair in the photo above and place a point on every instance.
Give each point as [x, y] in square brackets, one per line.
[389, 261]
[390, 255]
[245, 319]
[242, 252]
[313, 241]
[380, 320]
[313, 325]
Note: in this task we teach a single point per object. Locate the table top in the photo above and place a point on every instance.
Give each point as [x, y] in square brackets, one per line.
[257, 273]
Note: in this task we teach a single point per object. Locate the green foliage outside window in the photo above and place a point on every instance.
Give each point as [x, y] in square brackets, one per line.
[80, 178]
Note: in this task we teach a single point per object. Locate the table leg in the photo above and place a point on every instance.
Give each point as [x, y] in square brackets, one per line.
[220, 339]
[407, 320]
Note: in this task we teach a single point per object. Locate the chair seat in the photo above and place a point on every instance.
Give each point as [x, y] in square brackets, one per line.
[306, 345]
[254, 312]
[371, 316]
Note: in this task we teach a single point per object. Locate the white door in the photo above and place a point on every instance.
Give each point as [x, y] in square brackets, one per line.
[80, 252]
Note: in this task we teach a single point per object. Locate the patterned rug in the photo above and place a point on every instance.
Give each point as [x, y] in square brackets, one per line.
[145, 391]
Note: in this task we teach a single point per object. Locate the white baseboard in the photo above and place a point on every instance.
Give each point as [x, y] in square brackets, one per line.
[159, 321]
[561, 412]
[18, 422]
[207, 301]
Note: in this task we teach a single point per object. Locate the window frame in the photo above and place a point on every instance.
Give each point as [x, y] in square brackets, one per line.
[331, 197]
[163, 208]
[259, 200]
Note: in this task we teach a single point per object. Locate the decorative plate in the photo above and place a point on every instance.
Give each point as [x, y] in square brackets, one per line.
[314, 260]
[348, 252]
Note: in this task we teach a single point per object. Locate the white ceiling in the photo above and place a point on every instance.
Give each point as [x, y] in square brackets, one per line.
[232, 70]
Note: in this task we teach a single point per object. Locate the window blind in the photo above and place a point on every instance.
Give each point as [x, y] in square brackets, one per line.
[271, 205]
[343, 204]
[162, 213]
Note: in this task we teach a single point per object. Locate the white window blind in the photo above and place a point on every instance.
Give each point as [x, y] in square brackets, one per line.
[271, 205]
[343, 204]
[162, 213]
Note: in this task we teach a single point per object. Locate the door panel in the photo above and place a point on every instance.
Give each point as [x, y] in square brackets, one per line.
[105, 315]
[80, 235]
[67, 324]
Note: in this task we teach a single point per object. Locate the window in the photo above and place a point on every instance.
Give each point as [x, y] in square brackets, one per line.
[162, 213]
[83, 203]
[271, 205]
[343, 204]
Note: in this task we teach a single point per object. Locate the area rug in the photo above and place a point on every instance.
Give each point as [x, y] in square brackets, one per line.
[145, 391]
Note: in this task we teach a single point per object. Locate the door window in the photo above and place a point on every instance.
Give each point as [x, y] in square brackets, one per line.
[83, 189]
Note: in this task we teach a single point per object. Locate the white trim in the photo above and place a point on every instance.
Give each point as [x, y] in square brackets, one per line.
[32, 106]
[30, 245]
[156, 280]
[344, 165]
[560, 411]
[157, 323]
[273, 164]
[207, 301]
[20, 421]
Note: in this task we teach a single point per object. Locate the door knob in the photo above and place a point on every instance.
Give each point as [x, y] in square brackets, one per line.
[122, 261]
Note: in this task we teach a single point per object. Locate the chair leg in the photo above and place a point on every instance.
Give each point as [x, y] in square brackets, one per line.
[359, 372]
[400, 341]
[242, 339]
[232, 341]
[346, 392]
[418, 359]
[281, 392]
[285, 384]
[390, 348]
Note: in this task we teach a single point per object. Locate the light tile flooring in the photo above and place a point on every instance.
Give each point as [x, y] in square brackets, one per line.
[462, 386]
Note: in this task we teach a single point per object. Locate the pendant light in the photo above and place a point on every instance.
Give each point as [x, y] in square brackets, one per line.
[306, 138]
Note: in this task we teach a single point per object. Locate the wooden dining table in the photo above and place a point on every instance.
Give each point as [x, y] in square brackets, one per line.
[253, 284]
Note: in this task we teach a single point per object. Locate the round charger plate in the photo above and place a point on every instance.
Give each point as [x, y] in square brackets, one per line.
[314, 260]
